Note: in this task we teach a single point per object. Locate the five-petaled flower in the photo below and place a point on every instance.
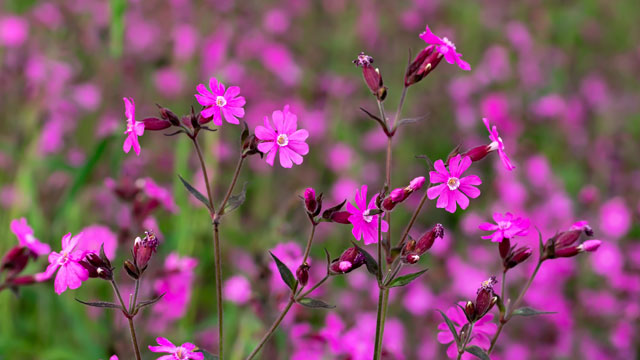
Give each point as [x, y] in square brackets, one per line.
[445, 47]
[507, 226]
[71, 273]
[134, 128]
[498, 145]
[454, 187]
[283, 136]
[185, 351]
[218, 102]
[365, 225]
[24, 233]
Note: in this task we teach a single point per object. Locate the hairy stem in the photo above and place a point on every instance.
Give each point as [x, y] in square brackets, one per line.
[466, 342]
[413, 219]
[272, 329]
[134, 338]
[379, 321]
[231, 186]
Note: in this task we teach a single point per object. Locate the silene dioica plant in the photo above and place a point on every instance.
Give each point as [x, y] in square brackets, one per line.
[472, 327]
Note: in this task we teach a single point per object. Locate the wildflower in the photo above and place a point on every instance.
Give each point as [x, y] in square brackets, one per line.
[453, 188]
[302, 274]
[564, 244]
[445, 47]
[497, 144]
[400, 194]
[283, 136]
[481, 334]
[414, 249]
[423, 64]
[371, 75]
[237, 289]
[24, 233]
[350, 260]
[507, 227]
[365, 225]
[158, 193]
[71, 273]
[185, 351]
[144, 248]
[134, 128]
[485, 299]
[312, 203]
[218, 102]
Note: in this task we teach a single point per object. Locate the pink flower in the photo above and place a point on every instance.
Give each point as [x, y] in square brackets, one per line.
[70, 273]
[497, 144]
[94, 236]
[284, 137]
[453, 188]
[482, 332]
[134, 128]
[158, 193]
[218, 102]
[365, 226]
[237, 289]
[182, 352]
[25, 237]
[508, 226]
[175, 283]
[445, 47]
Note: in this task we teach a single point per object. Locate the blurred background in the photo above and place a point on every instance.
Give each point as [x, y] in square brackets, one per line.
[559, 79]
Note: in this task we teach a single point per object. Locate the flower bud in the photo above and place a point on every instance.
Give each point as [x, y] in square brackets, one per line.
[470, 310]
[422, 65]
[155, 124]
[15, 260]
[168, 115]
[504, 247]
[590, 245]
[563, 244]
[350, 260]
[311, 203]
[341, 217]
[516, 256]
[426, 241]
[400, 194]
[143, 249]
[478, 152]
[250, 146]
[371, 75]
[486, 298]
[97, 267]
[302, 274]
[131, 270]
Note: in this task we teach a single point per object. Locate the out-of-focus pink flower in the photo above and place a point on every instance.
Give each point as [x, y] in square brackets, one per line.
[114, 357]
[70, 273]
[497, 144]
[340, 157]
[237, 289]
[507, 226]
[185, 351]
[176, 284]
[185, 41]
[14, 30]
[154, 191]
[24, 233]
[365, 226]
[168, 81]
[218, 102]
[453, 189]
[88, 96]
[482, 332]
[283, 136]
[445, 47]
[134, 128]
[615, 218]
[94, 236]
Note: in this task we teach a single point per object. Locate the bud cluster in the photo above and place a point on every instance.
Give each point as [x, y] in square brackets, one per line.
[513, 255]
[485, 301]
[412, 250]
[350, 260]
[400, 194]
[565, 244]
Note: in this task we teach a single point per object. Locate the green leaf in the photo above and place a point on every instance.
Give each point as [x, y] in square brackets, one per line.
[236, 200]
[540, 240]
[197, 194]
[527, 311]
[144, 303]
[451, 327]
[405, 279]
[315, 303]
[477, 352]
[208, 355]
[372, 264]
[328, 260]
[285, 273]
[100, 304]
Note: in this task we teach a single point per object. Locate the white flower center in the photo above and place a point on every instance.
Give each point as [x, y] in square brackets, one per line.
[367, 217]
[30, 239]
[282, 140]
[64, 258]
[503, 225]
[448, 42]
[453, 183]
[221, 101]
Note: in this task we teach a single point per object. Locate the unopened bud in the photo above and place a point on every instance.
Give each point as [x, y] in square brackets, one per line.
[341, 217]
[302, 274]
[97, 267]
[503, 247]
[371, 75]
[590, 245]
[311, 203]
[426, 241]
[422, 65]
[470, 310]
[250, 146]
[15, 260]
[486, 298]
[143, 249]
[400, 194]
[155, 124]
[516, 257]
[131, 270]
[168, 115]
[478, 153]
[350, 260]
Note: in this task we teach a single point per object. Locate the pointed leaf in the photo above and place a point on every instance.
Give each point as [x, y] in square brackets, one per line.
[197, 194]
[236, 200]
[100, 304]
[370, 261]
[451, 327]
[144, 303]
[285, 273]
[478, 352]
[527, 311]
[405, 279]
[540, 241]
[315, 303]
[328, 260]
[427, 160]
[378, 120]
[175, 133]
[245, 132]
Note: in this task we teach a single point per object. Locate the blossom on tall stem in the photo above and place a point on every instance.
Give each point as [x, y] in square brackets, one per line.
[24, 233]
[185, 351]
[497, 144]
[71, 273]
[507, 226]
[134, 128]
[483, 330]
[445, 47]
[283, 136]
[453, 187]
[218, 102]
[365, 226]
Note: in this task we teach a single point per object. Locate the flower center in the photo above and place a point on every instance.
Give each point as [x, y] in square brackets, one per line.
[282, 140]
[179, 355]
[221, 101]
[448, 43]
[503, 225]
[64, 258]
[366, 216]
[453, 183]
[30, 238]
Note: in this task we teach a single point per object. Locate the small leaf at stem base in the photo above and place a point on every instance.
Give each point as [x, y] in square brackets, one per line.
[405, 279]
[197, 194]
[477, 352]
[100, 304]
[236, 200]
[527, 311]
[315, 303]
[285, 273]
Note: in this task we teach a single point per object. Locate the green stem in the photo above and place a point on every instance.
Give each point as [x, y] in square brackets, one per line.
[231, 186]
[379, 321]
[132, 330]
[413, 219]
[134, 339]
[218, 276]
[300, 296]
[272, 329]
[466, 342]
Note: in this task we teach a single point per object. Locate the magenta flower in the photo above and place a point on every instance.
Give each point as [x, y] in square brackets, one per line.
[182, 352]
[158, 193]
[284, 137]
[482, 332]
[365, 226]
[445, 47]
[24, 232]
[71, 273]
[218, 102]
[134, 128]
[453, 188]
[497, 144]
[506, 226]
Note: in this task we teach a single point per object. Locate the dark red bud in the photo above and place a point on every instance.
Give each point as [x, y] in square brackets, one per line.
[143, 249]
[15, 260]
[426, 241]
[155, 124]
[478, 152]
[486, 298]
[516, 257]
[470, 311]
[426, 60]
[131, 270]
[504, 247]
[350, 260]
[341, 217]
[168, 115]
[302, 274]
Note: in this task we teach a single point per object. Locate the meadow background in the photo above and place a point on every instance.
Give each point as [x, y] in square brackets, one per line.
[560, 79]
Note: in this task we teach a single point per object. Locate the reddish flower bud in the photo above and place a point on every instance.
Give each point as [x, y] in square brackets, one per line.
[97, 267]
[311, 203]
[400, 194]
[563, 244]
[590, 245]
[143, 250]
[302, 274]
[470, 310]
[504, 247]
[516, 256]
[486, 298]
[131, 270]
[341, 217]
[155, 124]
[478, 152]
[422, 65]
[372, 76]
[426, 241]
[168, 115]
[15, 260]
[350, 260]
